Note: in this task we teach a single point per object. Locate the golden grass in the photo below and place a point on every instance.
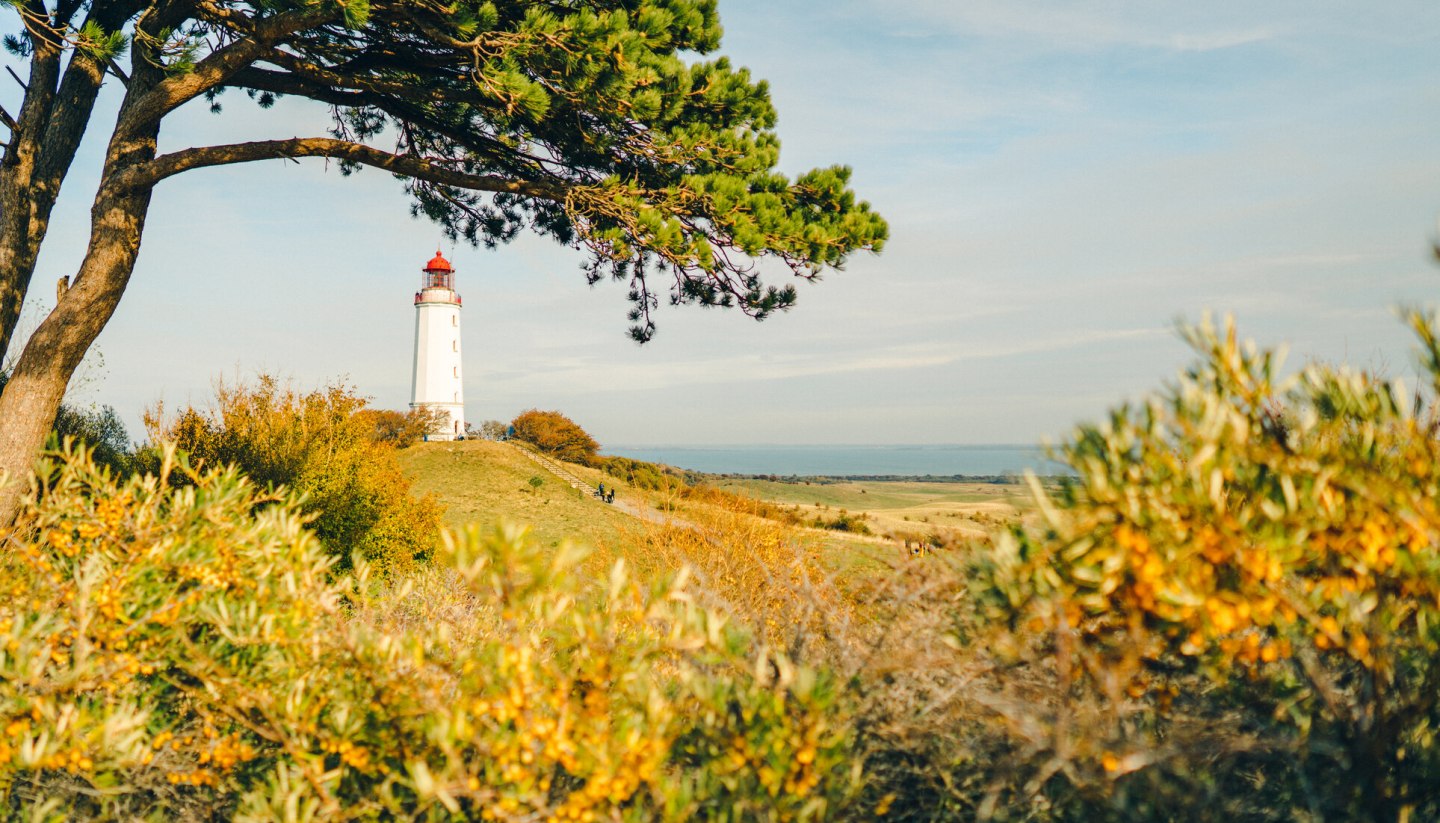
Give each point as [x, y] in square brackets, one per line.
[485, 482]
[901, 508]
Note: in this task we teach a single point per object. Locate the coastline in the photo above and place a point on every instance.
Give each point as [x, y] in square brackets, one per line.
[939, 462]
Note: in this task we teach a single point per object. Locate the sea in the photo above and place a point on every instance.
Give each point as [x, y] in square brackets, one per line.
[849, 461]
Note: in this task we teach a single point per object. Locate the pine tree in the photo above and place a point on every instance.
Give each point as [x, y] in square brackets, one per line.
[593, 122]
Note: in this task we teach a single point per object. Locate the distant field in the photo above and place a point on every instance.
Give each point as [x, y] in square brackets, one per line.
[901, 508]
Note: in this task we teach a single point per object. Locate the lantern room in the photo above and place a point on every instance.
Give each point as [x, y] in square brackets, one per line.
[438, 273]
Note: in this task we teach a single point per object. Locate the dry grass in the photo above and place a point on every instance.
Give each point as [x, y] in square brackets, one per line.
[901, 508]
[884, 621]
[766, 575]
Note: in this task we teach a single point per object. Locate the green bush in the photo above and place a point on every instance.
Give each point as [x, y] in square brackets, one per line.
[641, 475]
[186, 651]
[102, 431]
[328, 448]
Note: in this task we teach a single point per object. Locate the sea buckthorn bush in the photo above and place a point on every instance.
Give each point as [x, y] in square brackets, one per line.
[328, 447]
[1241, 587]
[188, 650]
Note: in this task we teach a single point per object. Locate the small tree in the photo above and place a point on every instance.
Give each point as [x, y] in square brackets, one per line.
[557, 435]
[102, 430]
[493, 430]
[402, 429]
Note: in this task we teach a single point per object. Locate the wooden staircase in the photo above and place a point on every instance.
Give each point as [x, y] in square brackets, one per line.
[553, 466]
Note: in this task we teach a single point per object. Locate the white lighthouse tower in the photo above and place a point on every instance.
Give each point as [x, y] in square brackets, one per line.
[436, 382]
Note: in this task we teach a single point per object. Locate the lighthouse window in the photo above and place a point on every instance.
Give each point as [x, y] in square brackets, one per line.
[454, 345]
[457, 371]
[454, 319]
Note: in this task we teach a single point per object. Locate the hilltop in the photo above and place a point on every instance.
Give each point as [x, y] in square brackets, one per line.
[481, 481]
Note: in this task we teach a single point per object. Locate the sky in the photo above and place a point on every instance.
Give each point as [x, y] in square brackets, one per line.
[1065, 182]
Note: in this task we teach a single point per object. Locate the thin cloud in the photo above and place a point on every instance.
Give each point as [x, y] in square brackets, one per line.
[1217, 41]
[1072, 27]
[585, 374]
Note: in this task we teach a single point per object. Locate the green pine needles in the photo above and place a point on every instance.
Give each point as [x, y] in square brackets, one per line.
[658, 164]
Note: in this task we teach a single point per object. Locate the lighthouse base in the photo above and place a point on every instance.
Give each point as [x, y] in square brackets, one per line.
[450, 423]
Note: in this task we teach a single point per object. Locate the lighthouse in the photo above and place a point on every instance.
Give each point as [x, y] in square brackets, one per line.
[436, 382]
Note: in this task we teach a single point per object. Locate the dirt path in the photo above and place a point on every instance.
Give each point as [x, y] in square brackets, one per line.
[558, 469]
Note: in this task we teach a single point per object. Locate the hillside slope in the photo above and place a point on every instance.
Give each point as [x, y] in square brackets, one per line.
[484, 482]
[480, 481]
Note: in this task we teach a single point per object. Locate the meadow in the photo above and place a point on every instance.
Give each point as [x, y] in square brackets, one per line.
[902, 507]
[482, 481]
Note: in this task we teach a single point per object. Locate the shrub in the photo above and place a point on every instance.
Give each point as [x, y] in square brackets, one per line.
[766, 575]
[844, 522]
[326, 447]
[640, 474]
[1244, 576]
[102, 431]
[555, 434]
[692, 487]
[403, 429]
[185, 651]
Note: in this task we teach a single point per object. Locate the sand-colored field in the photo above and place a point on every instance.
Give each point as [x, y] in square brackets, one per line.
[903, 509]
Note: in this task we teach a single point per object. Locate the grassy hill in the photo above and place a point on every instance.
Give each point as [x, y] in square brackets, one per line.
[484, 482]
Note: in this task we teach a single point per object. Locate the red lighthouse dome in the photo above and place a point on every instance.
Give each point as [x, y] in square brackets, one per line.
[438, 263]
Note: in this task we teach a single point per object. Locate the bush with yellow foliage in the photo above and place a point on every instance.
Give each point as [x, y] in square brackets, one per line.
[556, 435]
[1248, 564]
[188, 651]
[326, 445]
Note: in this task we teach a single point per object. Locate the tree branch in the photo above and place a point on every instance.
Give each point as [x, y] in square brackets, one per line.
[168, 165]
[315, 73]
[75, 97]
[118, 72]
[38, 22]
[401, 109]
[220, 65]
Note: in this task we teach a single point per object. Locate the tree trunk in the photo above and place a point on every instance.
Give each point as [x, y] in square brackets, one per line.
[42, 149]
[17, 175]
[32, 397]
[42, 145]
